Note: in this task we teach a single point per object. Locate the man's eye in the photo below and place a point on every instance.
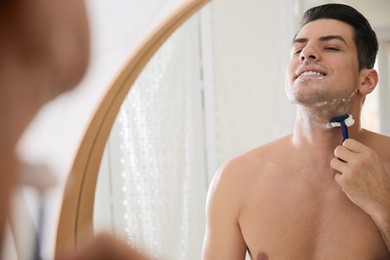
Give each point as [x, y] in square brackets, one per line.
[296, 52]
[331, 49]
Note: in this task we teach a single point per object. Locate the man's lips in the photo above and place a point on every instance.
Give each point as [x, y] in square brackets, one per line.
[310, 72]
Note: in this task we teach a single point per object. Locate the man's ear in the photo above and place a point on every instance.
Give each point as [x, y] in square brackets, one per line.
[368, 81]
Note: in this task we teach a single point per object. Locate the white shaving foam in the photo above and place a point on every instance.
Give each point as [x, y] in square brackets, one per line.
[348, 122]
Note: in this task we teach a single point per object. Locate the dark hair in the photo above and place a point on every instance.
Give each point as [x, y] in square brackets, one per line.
[364, 37]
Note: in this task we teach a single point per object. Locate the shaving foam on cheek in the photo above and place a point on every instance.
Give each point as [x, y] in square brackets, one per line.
[344, 122]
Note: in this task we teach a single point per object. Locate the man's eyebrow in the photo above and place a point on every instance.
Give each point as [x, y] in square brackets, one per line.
[333, 37]
[300, 40]
[322, 38]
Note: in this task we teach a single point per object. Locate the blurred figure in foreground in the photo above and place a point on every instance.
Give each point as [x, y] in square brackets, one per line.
[44, 50]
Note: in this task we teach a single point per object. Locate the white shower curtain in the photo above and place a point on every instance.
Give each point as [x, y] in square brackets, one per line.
[158, 151]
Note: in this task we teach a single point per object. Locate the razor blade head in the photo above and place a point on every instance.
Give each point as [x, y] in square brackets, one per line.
[347, 119]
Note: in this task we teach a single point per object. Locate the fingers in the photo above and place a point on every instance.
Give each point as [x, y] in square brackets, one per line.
[347, 157]
[354, 146]
[354, 161]
[352, 152]
[108, 246]
[349, 149]
[342, 153]
[338, 165]
[105, 246]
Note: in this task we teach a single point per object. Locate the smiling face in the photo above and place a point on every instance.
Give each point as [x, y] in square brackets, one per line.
[323, 71]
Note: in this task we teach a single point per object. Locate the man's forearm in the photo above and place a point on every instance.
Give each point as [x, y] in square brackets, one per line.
[383, 225]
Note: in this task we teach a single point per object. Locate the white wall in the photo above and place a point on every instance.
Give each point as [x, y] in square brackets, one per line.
[251, 43]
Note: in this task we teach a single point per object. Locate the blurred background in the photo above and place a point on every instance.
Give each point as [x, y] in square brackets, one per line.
[214, 90]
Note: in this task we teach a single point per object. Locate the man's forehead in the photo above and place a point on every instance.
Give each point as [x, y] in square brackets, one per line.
[323, 27]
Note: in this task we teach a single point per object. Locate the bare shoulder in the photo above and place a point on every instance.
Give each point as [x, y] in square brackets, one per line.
[247, 169]
[236, 184]
[378, 142]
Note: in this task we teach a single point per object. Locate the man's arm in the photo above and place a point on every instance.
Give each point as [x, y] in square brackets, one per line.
[223, 238]
[365, 181]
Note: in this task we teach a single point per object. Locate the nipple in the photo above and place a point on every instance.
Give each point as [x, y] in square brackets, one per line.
[344, 122]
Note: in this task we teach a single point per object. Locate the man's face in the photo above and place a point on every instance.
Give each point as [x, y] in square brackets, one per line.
[323, 70]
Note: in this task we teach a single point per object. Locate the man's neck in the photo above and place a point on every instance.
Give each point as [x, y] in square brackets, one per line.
[315, 132]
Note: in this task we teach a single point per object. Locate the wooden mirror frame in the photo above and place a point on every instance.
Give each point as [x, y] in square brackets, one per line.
[76, 215]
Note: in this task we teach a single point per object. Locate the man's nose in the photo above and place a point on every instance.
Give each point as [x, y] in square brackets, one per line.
[309, 54]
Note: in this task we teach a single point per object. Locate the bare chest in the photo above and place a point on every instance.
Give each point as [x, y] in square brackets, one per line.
[291, 221]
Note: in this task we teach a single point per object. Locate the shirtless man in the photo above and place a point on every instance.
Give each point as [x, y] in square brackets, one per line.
[309, 195]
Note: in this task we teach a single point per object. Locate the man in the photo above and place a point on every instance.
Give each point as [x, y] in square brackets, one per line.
[308, 195]
[44, 50]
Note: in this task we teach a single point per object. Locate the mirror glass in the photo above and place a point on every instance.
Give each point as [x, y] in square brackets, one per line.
[213, 90]
[154, 162]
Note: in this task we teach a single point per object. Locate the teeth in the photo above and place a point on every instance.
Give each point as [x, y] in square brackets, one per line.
[312, 72]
